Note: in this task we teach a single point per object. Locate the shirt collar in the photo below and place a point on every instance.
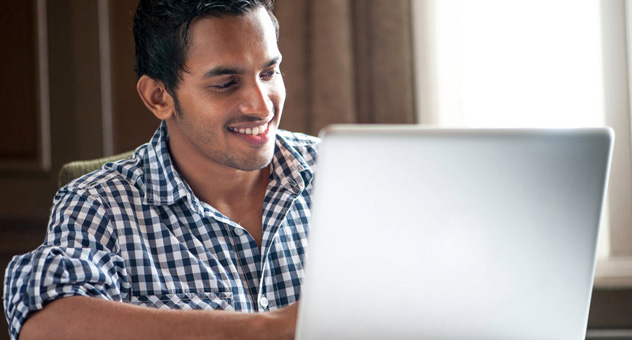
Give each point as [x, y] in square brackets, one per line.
[164, 185]
[289, 167]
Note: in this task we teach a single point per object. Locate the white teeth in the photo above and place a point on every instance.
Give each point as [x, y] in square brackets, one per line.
[256, 131]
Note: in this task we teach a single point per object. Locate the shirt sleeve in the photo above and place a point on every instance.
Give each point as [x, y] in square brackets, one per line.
[78, 258]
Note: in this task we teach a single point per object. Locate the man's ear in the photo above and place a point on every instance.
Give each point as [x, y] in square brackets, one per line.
[153, 93]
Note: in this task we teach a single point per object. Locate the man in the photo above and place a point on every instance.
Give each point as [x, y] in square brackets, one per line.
[207, 220]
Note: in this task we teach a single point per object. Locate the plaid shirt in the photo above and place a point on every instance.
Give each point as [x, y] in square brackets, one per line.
[134, 232]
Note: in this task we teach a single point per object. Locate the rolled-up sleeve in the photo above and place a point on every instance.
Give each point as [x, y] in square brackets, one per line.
[78, 258]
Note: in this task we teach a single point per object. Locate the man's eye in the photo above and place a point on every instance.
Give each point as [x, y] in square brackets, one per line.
[269, 74]
[223, 86]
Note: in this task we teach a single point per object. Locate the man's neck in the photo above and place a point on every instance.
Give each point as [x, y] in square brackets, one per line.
[237, 194]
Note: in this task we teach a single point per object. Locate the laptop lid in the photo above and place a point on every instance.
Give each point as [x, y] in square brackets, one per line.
[421, 233]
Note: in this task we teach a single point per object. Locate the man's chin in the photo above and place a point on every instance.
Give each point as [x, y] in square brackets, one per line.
[255, 163]
[252, 166]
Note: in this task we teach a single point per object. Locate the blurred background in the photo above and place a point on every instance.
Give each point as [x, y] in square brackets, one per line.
[68, 91]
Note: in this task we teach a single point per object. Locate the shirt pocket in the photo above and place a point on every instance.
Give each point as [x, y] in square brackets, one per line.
[189, 300]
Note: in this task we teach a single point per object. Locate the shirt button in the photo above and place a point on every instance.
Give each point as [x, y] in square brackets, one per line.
[263, 302]
[239, 231]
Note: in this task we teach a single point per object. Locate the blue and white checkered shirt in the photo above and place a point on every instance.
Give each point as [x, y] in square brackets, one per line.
[134, 232]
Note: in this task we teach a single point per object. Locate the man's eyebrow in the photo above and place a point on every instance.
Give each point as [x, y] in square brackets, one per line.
[274, 61]
[223, 70]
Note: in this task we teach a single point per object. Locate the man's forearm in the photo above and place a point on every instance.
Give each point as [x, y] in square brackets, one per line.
[91, 318]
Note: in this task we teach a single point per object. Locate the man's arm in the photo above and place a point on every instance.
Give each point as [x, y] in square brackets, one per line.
[92, 318]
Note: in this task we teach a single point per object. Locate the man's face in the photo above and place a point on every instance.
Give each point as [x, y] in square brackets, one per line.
[231, 95]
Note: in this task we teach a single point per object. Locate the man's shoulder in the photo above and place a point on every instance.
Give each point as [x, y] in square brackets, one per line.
[118, 175]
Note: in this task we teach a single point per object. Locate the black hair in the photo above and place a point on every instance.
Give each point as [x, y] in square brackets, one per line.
[161, 30]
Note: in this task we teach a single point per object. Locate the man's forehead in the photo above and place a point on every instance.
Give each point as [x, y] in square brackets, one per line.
[223, 27]
[230, 41]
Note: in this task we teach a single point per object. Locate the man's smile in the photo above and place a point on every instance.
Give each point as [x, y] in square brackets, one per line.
[254, 131]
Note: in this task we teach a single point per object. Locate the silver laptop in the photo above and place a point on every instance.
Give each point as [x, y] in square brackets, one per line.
[420, 233]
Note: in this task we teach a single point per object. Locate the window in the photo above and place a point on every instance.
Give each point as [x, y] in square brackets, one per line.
[538, 63]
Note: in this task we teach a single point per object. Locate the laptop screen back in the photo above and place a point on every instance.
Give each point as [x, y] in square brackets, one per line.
[453, 234]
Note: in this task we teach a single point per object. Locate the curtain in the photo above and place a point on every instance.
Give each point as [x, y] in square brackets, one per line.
[346, 61]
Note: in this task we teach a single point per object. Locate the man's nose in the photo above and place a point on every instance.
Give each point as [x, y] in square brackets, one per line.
[256, 100]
